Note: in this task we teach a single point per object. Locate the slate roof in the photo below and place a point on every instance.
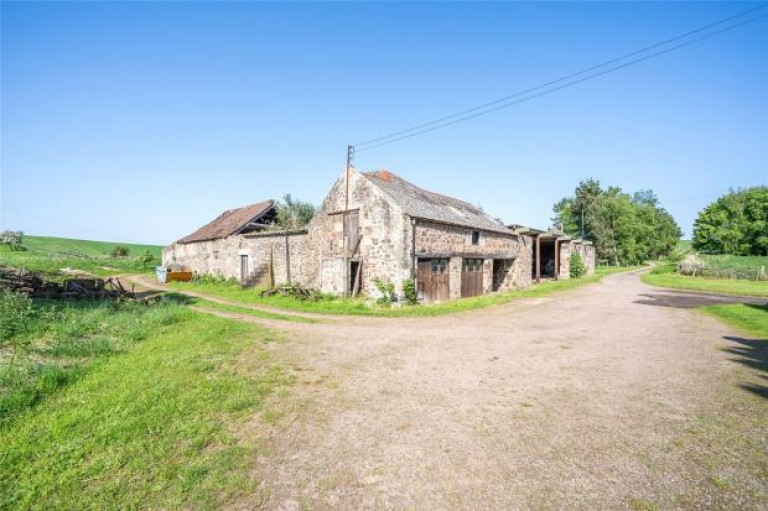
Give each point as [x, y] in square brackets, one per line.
[229, 222]
[420, 203]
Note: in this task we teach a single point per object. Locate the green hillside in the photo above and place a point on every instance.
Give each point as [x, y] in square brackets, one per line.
[49, 254]
[86, 248]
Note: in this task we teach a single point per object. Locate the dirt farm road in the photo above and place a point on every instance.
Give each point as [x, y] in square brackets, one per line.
[613, 396]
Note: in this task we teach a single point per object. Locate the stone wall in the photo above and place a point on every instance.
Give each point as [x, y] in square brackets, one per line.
[266, 257]
[433, 239]
[382, 249]
[564, 272]
[587, 253]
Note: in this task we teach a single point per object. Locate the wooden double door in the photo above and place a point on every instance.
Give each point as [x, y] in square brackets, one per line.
[471, 277]
[433, 279]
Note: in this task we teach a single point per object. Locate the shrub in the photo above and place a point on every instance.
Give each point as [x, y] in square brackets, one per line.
[409, 290]
[577, 265]
[387, 289]
[217, 280]
[13, 239]
[146, 259]
[691, 265]
[120, 251]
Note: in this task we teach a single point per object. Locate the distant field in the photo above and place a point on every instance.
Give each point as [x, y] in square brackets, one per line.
[733, 262]
[90, 248]
[49, 254]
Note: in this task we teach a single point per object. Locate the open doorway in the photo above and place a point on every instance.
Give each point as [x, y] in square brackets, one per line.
[501, 270]
[354, 278]
[547, 260]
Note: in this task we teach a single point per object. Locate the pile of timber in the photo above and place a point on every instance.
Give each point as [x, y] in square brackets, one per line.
[294, 290]
[35, 285]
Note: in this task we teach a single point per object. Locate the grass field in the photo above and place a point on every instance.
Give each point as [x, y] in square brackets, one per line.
[735, 262]
[752, 319]
[48, 254]
[358, 307]
[139, 412]
[664, 275]
[85, 248]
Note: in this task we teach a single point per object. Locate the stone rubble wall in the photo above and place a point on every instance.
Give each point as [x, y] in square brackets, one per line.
[564, 272]
[382, 249]
[439, 240]
[221, 258]
[587, 253]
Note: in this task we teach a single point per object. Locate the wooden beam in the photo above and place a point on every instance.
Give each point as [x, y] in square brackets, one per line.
[557, 261]
[538, 258]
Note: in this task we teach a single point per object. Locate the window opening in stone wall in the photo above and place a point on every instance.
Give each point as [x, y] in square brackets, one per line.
[475, 237]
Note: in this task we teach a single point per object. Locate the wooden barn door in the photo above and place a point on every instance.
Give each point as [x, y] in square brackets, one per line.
[244, 274]
[351, 231]
[433, 280]
[471, 277]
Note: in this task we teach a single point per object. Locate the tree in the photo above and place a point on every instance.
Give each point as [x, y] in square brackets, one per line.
[624, 228]
[293, 214]
[736, 223]
[120, 251]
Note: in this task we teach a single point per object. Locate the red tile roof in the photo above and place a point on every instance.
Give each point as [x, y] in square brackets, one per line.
[229, 222]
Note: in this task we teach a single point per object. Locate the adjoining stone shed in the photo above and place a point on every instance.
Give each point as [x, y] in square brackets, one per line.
[376, 226]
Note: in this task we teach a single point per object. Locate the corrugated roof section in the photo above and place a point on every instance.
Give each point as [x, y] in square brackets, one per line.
[229, 222]
[421, 203]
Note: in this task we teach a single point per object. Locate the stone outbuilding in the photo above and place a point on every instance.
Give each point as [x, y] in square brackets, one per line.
[375, 227]
[552, 249]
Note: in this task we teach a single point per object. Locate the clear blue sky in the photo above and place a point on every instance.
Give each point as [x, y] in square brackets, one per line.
[141, 121]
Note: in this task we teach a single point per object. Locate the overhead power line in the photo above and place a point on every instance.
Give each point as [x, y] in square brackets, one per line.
[548, 88]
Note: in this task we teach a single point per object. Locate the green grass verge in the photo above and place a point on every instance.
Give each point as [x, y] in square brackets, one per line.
[152, 427]
[225, 307]
[50, 255]
[665, 276]
[358, 307]
[752, 319]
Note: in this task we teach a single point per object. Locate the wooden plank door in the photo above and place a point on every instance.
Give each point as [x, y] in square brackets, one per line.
[351, 231]
[243, 268]
[433, 278]
[471, 277]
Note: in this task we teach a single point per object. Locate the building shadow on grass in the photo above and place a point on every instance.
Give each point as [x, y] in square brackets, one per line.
[752, 353]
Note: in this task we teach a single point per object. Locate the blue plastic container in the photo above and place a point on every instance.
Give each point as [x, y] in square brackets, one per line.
[162, 273]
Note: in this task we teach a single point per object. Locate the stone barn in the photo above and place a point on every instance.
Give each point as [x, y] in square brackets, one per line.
[376, 226]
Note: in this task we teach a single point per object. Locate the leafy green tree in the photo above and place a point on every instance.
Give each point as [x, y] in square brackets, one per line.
[624, 228]
[293, 213]
[736, 223]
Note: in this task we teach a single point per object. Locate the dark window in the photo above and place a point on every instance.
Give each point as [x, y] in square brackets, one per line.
[439, 266]
[472, 265]
[475, 237]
